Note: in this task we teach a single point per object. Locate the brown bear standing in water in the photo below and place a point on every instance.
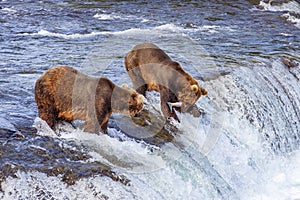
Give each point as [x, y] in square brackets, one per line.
[63, 93]
[150, 68]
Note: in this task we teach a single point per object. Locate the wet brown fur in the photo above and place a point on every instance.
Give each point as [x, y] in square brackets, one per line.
[63, 93]
[150, 68]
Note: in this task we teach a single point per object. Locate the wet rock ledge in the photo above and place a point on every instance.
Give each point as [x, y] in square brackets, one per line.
[44, 154]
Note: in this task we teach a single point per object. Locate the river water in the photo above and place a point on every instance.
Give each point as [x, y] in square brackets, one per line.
[244, 146]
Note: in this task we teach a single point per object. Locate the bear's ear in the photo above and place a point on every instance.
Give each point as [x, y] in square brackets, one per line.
[177, 66]
[203, 91]
[124, 85]
[195, 88]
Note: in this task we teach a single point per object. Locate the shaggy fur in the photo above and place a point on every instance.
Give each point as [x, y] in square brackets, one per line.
[150, 68]
[63, 93]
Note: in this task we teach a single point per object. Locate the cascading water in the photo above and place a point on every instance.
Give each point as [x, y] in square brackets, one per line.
[245, 145]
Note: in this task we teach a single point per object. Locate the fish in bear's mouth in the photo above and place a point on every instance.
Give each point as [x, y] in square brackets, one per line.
[174, 104]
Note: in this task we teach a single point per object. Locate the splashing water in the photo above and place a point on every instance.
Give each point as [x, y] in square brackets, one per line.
[245, 145]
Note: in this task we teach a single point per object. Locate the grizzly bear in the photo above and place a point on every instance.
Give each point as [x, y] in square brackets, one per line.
[150, 68]
[63, 93]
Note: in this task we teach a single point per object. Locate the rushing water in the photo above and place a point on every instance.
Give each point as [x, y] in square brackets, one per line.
[244, 146]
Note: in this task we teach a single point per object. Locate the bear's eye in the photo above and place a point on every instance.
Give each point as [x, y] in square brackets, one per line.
[133, 96]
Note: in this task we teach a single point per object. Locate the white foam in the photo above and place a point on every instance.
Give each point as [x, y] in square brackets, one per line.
[144, 20]
[179, 29]
[158, 30]
[241, 154]
[286, 34]
[279, 179]
[36, 185]
[163, 29]
[169, 27]
[133, 156]
[164, 184]
[68, 36]
[65, 36]
[226, 148]
[107, 16]
[290, 7]
[292, 19]
[153, 172]
[113, 16]
[10, 10]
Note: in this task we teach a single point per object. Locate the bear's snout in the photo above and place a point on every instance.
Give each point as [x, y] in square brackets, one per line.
[136, 104]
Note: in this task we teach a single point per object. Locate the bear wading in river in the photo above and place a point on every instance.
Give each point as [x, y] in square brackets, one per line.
[150, 68]
[64, 94]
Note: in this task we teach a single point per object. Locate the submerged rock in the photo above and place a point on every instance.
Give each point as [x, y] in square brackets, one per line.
[150, 125]
[47, 155]
[288, 63]
[145, 127]
[275, 2]
[210, 75]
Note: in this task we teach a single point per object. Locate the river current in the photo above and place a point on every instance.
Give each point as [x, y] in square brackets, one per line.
[245, 145]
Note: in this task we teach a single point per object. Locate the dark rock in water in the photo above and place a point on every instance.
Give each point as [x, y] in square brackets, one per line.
[289, 63]
[72, 174]
[150, 126]
[190, 25]
[44, 154]
[7, 170]
[21, 150]
[276, 2]
[155, 130]
[271, 2]
[195, 111]
[254, 2]
[213, 74]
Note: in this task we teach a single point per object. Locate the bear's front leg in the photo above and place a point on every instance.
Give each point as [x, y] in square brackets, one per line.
[165, 97]
[167, 112]
[103, 117]
[104, 122]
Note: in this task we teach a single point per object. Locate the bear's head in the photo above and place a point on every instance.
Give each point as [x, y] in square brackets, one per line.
[188, 90]
[127, 101]
[190, 94]
[136, 103]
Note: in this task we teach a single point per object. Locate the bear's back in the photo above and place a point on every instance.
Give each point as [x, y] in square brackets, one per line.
[145, 53]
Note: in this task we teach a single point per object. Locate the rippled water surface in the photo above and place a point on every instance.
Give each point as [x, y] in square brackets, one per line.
[244, 146]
